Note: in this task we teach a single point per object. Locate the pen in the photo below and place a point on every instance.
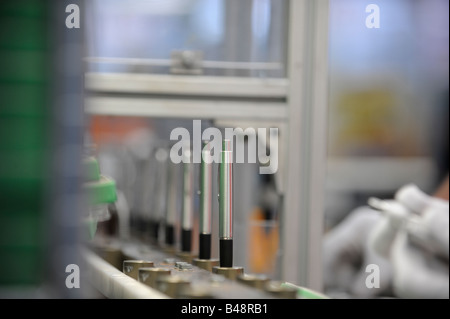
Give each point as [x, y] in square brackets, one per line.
[205, 202]
[226, 205]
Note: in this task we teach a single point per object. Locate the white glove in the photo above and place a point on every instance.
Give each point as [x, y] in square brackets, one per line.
[383, 234]
[429, 229]
[426, 217]
[346, 254]
[368, 236]
[419, 271]
[413, 198]
[436, 223]
[377, 247]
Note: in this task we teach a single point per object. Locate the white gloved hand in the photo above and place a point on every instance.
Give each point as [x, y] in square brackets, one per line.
[413, 198]
[383, 234]
[436, 223]
[377, 247]
[423, 215]
[417, 273]
[418, 270]
[430, 229]
[346, 255]
[368, 236]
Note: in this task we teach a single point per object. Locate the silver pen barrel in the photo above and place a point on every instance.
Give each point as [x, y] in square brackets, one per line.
[172, 195]
[171, 204]
[159, 191]
[226, 192]
[188, 203]
[206, 189]
[159, 203]
[188, 184]
[226, 205]
[205, 202]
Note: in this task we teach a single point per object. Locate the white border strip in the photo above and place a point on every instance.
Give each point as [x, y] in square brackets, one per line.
[114, 284]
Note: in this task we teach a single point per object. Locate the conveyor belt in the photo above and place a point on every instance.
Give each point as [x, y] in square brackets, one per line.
[114, 284]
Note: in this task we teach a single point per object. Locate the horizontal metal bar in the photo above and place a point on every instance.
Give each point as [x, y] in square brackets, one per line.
[128, 61]
[204, 64]
[113, 283]
[199, 109]
[378, 174]
[242, 65]
[186, 85]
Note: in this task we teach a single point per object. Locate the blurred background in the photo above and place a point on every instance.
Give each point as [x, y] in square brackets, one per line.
[388, 108]
[364, 114]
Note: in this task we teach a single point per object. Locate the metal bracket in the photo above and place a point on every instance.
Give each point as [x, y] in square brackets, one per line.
[186, 62]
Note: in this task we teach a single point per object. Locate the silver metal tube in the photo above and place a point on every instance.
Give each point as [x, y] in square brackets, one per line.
[188, 185]
[226, 192]
[172, 194]
[206, 189]
[159, 201]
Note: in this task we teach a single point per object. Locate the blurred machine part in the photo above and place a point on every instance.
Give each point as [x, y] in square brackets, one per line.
[25, 119]
[41, 131]
[100, 191]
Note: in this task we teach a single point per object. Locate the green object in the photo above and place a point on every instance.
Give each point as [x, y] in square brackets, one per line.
[22, 133]
[102, 191]
[25, 109]
[91, 169]
[21, 264]
[29, 34]
[24, 8]
[99, 189]
[305, 293]
[23, 66]
[23, 100]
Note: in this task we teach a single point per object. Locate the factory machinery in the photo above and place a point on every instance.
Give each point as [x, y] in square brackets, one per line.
[47, 97]
[155, 268]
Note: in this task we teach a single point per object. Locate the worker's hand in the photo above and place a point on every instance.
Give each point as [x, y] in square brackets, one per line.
[413, 198]
[347, 255]
[430, 227]
[417, 273]
[418, 268]
[369, 237]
